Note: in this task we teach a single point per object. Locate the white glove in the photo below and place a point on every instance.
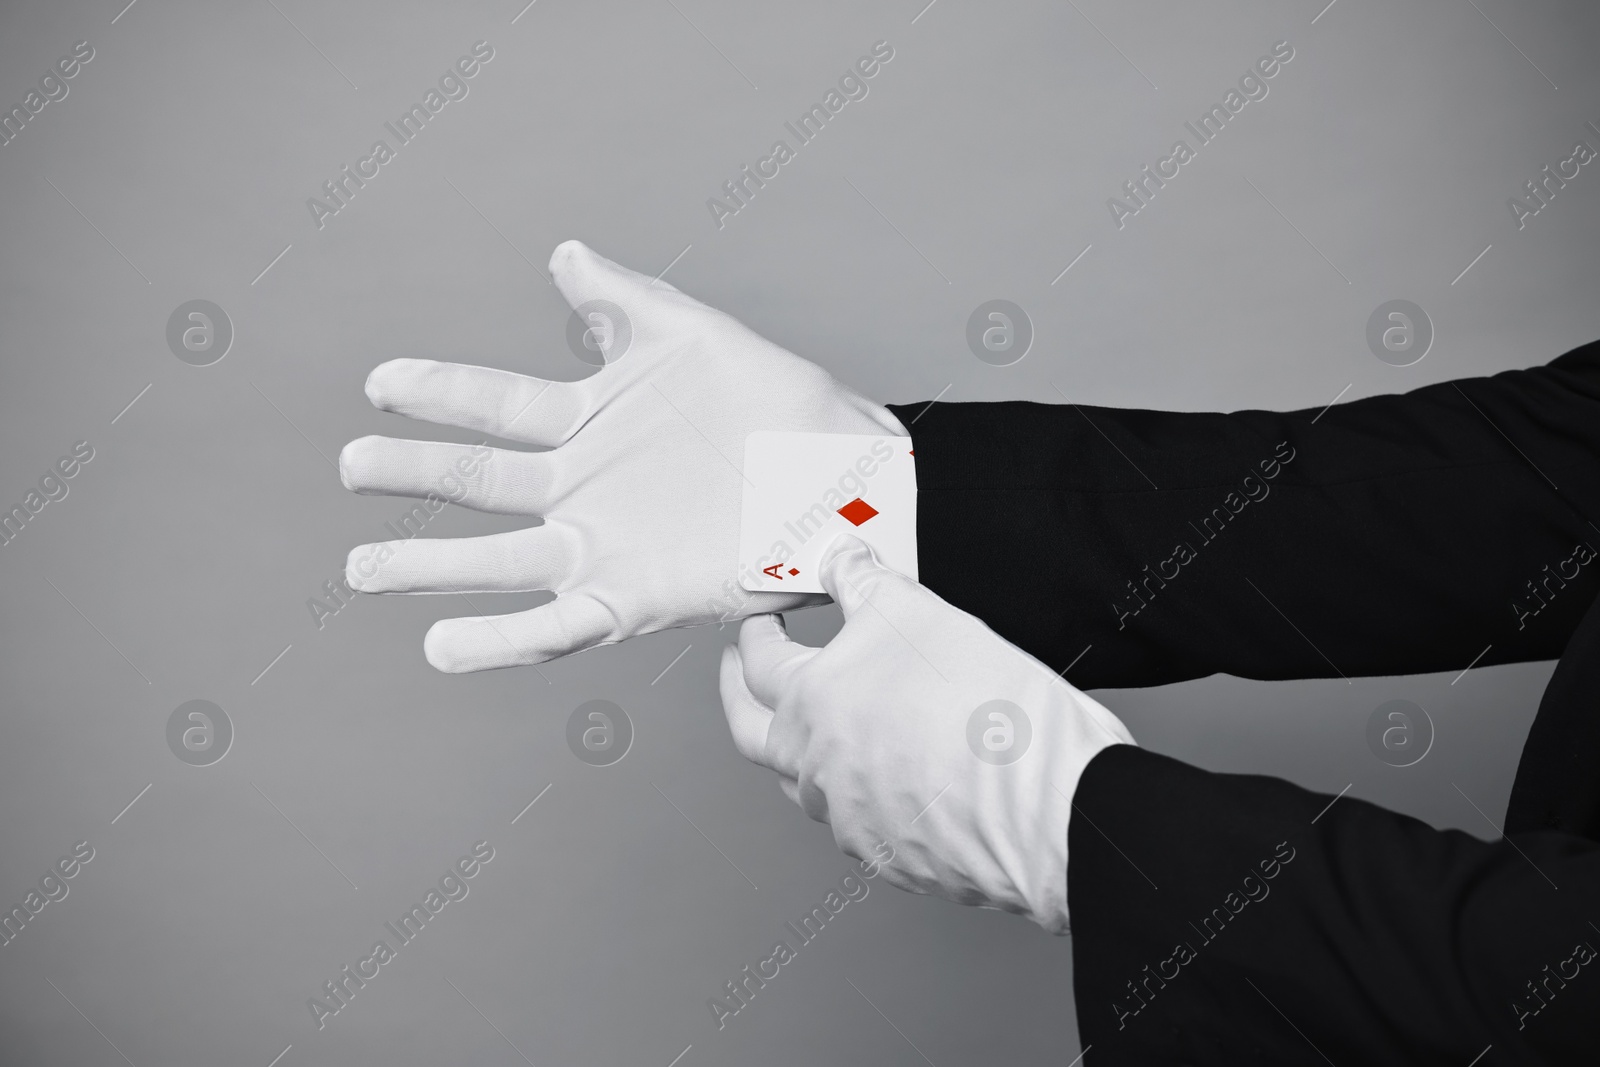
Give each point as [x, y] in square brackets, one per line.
[920, 726]
[640, 495]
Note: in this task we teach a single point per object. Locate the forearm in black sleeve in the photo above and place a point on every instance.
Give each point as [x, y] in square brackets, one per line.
[1390, 535]
[1229, 919]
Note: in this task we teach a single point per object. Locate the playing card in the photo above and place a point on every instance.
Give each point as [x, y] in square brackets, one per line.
[803, 489]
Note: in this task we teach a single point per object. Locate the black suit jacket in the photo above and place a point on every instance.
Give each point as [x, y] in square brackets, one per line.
[1228, 919]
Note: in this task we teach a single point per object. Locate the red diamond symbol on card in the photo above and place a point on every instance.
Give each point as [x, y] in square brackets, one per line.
[792, 571]
[858, 511]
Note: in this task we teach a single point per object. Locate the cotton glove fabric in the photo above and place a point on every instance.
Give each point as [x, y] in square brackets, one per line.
[873, 734]
[640, 491]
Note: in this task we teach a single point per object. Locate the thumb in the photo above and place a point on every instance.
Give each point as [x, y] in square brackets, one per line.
[584, 275]
[850, 572]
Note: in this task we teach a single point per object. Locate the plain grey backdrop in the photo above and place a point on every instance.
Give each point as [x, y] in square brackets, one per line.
[180, 563]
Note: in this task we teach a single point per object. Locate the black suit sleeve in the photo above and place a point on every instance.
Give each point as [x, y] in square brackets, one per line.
[1396, 534]
[1228, 919]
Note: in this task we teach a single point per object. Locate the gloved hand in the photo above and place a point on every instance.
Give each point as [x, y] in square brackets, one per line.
[640, 495]
[920, 726]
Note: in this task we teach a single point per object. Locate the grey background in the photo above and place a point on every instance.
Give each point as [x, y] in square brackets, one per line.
[189, 545]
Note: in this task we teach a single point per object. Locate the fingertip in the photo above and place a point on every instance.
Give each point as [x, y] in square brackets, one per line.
[841, 545]
[441, 652]
[757, 631]
[353, 562]
[768, 624]
[845, 562]
[561, 259]
[355, 459]
[384, 381]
